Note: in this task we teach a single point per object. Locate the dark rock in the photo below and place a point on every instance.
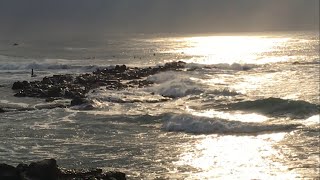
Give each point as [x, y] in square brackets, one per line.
[55, 91]
[121, 68]
[81, 80]
[51, 99]
[46, 80]
[48, 170]
[73, 94]
[26, 83]
[21, 94]
[50, 106]
[8, 172]
[87, 107]
[75, 87]
[116, 175]
[78, 101]
[43, 170]
[22, 167]
[2, 110]
[92, 174]
[17, 85]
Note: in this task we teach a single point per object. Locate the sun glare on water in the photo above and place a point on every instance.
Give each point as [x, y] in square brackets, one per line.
[230, 49]
[240, 157]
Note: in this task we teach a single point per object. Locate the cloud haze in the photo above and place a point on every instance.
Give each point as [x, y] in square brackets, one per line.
[102, 16]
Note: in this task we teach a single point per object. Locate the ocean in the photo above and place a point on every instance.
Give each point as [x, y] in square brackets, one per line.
[245, 107]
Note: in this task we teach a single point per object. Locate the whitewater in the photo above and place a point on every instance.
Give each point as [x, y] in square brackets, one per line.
[246, 106]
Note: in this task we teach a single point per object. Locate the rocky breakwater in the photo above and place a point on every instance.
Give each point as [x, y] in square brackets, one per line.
[77, 86]
[49, 170]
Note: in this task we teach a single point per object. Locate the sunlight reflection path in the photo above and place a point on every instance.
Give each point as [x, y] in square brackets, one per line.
[232, 49]
[235, 157]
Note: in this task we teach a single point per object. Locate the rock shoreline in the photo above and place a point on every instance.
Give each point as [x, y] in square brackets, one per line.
[69, 86]
[75, 87]
[49, 170]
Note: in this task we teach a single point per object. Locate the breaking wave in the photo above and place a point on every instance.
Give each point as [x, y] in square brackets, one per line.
[172, 84]
[204, 125]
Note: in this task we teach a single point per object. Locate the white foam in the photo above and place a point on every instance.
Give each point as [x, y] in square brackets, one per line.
[69, 118]
[164, 77]
[313, 120]
[100, 96]
[223, 92]
[174, 85]
[13, 104]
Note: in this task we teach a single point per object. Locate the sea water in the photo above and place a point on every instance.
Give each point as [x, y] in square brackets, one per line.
[245, 107]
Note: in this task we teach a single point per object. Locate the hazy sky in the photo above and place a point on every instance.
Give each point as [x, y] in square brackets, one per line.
[101, 16]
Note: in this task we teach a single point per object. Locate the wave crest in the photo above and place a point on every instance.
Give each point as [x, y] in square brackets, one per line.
[204, 125]
[171, 84]
[278, 106]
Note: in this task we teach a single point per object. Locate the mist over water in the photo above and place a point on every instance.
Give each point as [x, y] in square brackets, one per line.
[245, 107]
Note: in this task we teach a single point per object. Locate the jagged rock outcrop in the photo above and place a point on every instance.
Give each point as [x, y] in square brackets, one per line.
[49, 170]
[76, 87]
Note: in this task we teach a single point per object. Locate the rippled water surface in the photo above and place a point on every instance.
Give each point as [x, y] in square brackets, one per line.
[245, 107]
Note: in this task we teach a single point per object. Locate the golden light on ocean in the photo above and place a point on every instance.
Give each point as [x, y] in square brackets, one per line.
[230, 49]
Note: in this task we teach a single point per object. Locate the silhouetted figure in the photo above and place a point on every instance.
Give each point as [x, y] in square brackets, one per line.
[32, 74]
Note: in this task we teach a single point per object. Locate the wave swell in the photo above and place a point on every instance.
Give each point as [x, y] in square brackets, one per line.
[173, 85]
[204, 125]
[43, 66]
[278, 106]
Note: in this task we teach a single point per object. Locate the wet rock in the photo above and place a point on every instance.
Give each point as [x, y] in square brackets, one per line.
[116, 175]
[78, 101]
[48, 170]
[22, 167]
[68, 86]
[50, 106]
[46, 80]
[139, 83]
[55, 91]
[8, 172]
[17, 85]
[45, 169]
[26, 84]
[21, 94]
[175, 65]
[121, 68]
[74, 93]
[2, 110]
[51, 99]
